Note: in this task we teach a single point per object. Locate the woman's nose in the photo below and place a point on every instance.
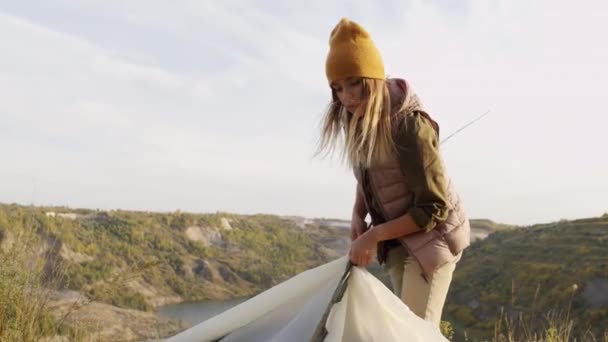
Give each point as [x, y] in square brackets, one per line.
[349, 97]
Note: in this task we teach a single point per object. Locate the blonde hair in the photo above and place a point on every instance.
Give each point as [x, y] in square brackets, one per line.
[368, 139]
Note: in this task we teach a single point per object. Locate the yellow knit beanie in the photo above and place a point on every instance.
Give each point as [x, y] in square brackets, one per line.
[352, 53]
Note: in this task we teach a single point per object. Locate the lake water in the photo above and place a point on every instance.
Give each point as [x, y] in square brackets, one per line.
[196, 312]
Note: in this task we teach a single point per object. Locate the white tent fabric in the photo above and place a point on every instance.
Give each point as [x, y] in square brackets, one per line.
[290, 311]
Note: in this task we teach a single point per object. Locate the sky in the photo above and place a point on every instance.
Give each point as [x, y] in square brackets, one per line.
[205, 106]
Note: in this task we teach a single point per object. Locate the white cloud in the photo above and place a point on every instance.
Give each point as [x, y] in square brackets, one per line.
[108, 118]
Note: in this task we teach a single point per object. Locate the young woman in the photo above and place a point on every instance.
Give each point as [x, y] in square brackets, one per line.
[418, 227]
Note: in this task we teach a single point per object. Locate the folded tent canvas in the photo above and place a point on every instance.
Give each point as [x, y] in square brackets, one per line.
[299, 308]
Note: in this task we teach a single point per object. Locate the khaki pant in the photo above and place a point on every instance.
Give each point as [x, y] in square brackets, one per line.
[424, 298]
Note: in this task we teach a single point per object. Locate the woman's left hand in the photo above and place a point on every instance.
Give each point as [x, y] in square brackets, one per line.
[363, 249]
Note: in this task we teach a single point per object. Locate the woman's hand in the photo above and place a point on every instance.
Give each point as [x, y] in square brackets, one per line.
[357, 227]
[363, 249]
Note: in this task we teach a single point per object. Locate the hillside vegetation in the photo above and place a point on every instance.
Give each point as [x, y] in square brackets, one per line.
[142, 260]
[526, 278]
[536, 277]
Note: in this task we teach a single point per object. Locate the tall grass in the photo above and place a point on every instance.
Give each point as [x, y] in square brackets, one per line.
[556, 325]
[27, 282]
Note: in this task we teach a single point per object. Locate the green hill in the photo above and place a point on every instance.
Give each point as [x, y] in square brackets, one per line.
[109, 264]
[540, 273]
[141, 260]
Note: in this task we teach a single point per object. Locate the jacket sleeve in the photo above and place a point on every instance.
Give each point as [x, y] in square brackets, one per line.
[417, 145]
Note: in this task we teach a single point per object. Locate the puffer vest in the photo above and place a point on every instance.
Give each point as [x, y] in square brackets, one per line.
[387, 197]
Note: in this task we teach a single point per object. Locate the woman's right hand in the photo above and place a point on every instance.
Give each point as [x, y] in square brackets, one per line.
[357, 227]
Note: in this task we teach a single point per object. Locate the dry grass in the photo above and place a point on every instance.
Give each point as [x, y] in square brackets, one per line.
[27, 282]
[553, 326]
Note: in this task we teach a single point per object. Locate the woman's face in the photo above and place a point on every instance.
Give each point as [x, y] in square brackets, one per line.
[350, 93]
